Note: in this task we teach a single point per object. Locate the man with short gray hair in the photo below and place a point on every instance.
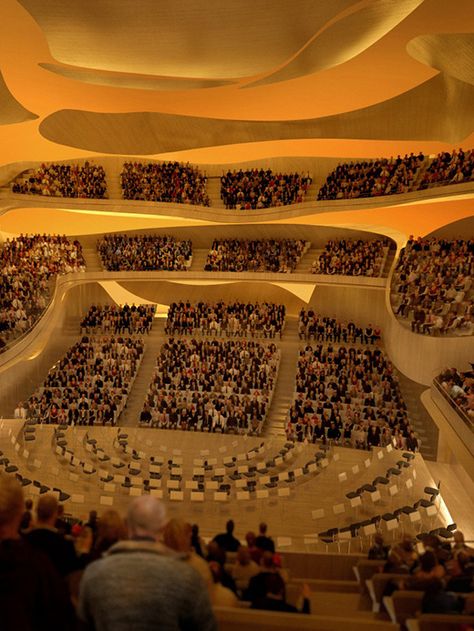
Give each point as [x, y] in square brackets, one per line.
[142, 584]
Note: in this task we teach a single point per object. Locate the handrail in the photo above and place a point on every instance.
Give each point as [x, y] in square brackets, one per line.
[454, 405]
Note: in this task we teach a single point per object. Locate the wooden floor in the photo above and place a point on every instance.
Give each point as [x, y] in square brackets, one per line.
[290, 519]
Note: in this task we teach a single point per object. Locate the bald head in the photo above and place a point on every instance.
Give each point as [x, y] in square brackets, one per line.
[146, 517]
[11, 506]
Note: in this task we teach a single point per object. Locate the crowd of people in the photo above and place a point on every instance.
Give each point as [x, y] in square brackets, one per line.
[172, 182]
[259, 188]
[327, 329]
[114, 319]
[449, 168]
[352, 257]
[90, 384]
[144, 252]
[372, 178]
[263, 255]
[146, 570]
[460, 387]
[349, 396]
[444, 571]
[212, 385]
[28, 264]
[432, 285]
[64, 180]
[261, 319]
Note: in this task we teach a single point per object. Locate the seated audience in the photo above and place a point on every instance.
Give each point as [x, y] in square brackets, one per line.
[114, 319]
[172, 182]
[145, 252]
[352, 257]
[213, 385]
[90, 384]
[63, 180]
[349, 396]
[33, 593]
[29, 263]
[142, 583]
[460, 388]
[449, 168]
[433, 281]
[372, 178]
[234, 319]
[226, 540]
[243, 569]
[256, 189]
[264, 255]
[327, 329]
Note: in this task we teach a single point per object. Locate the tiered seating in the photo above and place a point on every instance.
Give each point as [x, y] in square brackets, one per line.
[352, 257]
[327, 329]
[349, 396]
[459, 387]
[144, 253]
[213, 385]
[232, 319]
[64, 180]
[264, 255]
[172, 182]
[256, 189]
[114, 319]
[372, 178]
[90, 385]
[28, 264]
[449, 168]
[432, 286]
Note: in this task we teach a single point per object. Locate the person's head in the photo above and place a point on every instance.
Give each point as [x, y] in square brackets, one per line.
[267, 561]
[459, 538]
[29, 504]
[92, 517]
[275, 586]
[47, 509]
[243, 556]
[262, 528]
[378, 539]
[428, 561]
[111, 528]
[11, 507]
[177, 535]
[250, 539]
[146, 517]
[230, 526]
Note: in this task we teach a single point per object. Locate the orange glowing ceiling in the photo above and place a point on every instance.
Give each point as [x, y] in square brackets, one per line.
[311, 77]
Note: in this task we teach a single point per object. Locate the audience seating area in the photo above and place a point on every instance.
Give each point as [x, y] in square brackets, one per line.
[147, 252]
[259, 189]
[459, 387]
[236, 319]
[212, 385]
[113, 319]
[90, 384]
[264, 255]
[327, 329]
[386, 176]
[449, 168]
[432, 286]
[352, 258]
[29, 263]
[349, 396]
[63, 180]
[172, 182]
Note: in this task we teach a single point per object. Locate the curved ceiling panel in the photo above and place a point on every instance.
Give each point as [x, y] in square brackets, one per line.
[345, 39]
[207, 39]
[440, 109]
[452, 53]
[10, 110]
[133, 81]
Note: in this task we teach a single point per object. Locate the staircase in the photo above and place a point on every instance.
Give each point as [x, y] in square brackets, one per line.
[306, 261]
[91, 256]
[131, 414]
[214, 191]
[420, 420]
[199, 260]
[285, 386]
[114, 187]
